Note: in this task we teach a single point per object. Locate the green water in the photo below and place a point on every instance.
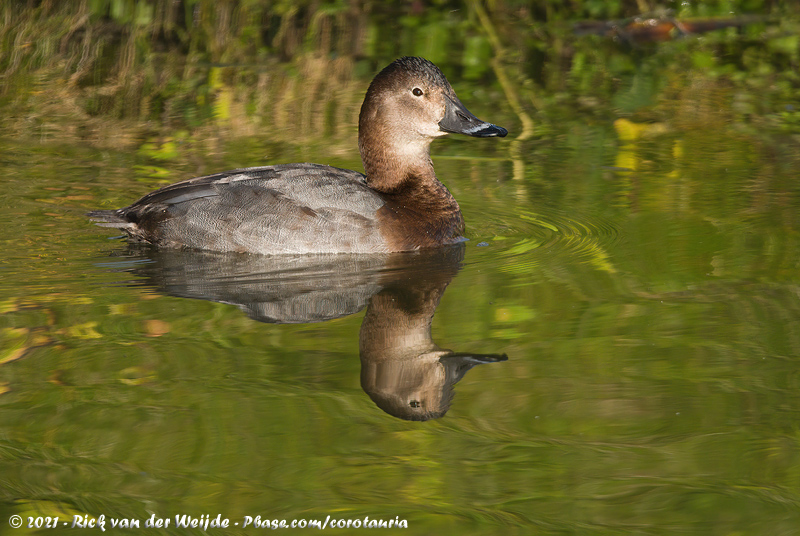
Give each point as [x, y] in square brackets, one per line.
[636, 257]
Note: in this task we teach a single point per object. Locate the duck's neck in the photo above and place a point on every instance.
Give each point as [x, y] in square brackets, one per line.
[420, 211]
[395, 166]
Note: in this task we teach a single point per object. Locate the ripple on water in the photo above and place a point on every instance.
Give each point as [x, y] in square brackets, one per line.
[531, 237]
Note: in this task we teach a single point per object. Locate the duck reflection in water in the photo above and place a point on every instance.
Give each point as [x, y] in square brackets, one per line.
[402, 370]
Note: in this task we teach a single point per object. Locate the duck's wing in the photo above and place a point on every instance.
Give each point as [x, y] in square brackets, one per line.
[271, 209]
[181, 192]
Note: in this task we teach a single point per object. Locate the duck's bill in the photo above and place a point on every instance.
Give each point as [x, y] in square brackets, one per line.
[458, 120]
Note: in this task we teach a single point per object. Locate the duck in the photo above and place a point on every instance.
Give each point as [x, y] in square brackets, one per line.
[396, 205]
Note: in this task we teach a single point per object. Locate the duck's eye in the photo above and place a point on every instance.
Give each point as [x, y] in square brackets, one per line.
[414, 404]
[417, 92]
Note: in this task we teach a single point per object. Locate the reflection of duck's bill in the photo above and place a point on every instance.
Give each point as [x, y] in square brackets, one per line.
[458, 120]
[476, 359]
[456, 365]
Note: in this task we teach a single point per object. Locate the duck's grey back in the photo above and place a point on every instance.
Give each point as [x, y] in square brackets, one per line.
[291, 208]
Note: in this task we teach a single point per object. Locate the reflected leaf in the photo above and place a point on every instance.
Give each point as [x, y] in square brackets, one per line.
[9, 306]
[514, 313]
[156, 328]
[83, 331]
[137, 376]
[22, 340]
[56, 378]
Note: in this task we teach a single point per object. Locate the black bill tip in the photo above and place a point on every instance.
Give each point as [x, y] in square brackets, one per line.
[489, 130]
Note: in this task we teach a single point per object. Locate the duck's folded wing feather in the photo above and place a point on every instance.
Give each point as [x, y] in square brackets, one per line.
[272, 209]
